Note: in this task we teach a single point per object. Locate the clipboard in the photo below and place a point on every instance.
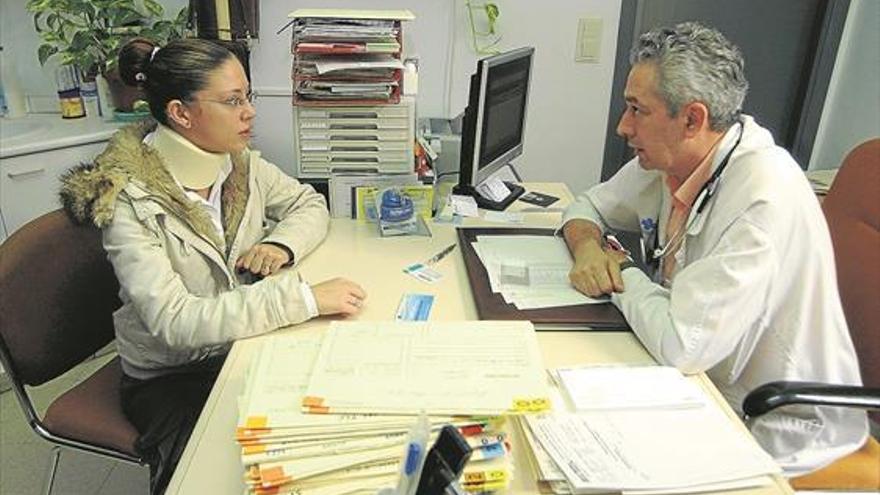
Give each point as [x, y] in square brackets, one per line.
[491, 306]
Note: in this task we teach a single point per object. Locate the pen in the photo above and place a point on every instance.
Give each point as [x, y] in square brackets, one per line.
[442, 254]
[414, 456]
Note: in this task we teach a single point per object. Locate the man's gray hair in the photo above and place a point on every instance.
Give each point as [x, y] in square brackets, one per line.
[695, 63]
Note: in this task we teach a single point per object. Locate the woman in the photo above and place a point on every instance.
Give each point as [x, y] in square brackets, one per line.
[198, 228]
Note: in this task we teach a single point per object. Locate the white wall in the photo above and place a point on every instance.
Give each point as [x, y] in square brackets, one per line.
[20, 42]
[852, 107]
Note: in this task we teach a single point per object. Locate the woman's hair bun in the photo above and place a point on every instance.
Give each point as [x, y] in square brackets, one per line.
[134, 60]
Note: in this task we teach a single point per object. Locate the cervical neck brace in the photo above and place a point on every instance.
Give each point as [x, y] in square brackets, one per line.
[191, 166]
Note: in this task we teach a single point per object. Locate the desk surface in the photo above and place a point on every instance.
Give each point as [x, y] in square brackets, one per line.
[211, 462]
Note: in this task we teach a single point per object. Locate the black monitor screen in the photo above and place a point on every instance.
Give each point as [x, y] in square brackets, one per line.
[506, 93]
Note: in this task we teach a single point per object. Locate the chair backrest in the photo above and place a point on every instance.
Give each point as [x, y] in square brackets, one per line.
[852, 209]
[57, 295]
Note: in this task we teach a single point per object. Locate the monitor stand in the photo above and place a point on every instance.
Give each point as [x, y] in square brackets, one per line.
[515, 192]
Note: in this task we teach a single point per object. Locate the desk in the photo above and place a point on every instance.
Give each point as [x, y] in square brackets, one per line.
[211, 463]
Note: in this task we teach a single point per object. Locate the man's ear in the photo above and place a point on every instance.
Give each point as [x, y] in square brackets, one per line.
[697, 117]
[179, 113]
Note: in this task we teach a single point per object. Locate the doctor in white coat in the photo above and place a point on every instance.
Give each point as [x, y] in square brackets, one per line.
[742, 283]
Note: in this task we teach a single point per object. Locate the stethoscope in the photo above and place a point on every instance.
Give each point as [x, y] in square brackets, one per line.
[706, 192]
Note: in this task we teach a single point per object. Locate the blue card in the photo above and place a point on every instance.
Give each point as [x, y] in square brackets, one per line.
[414, 307]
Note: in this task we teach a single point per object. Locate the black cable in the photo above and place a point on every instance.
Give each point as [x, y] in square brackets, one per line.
[451, 172]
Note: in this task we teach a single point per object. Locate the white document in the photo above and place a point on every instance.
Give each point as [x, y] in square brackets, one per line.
[530, 271]
[331, 64]
[273, 393]
[474, 367]
[617, 450]
[628, 387]
[465, 206]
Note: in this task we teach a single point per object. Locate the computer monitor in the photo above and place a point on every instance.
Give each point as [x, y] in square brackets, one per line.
[494, 123]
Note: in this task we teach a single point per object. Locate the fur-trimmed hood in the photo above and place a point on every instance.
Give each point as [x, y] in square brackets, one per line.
[89, 191]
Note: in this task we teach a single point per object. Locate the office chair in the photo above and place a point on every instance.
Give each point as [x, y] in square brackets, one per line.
[853, 214]
[57, 296]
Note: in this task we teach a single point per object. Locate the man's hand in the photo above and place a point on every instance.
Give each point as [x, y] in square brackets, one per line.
[263, 259]
[339, 296]
[596, 271]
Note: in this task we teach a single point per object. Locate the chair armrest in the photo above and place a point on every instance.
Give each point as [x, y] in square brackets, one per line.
[782, 393]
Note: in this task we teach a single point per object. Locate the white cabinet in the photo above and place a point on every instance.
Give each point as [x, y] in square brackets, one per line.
[354, 138]
[29, 183]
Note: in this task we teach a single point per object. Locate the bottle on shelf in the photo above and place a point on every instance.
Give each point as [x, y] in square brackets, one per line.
[69, 97]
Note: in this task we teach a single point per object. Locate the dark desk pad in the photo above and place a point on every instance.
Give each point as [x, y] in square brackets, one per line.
[491, 306]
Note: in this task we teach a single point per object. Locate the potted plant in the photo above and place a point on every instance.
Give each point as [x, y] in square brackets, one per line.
[89, 33]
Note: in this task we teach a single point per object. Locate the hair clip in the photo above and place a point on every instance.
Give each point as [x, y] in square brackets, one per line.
[153, 55]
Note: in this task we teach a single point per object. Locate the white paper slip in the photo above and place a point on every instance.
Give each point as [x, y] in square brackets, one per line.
[465, 206]
[423, 272]
[628, 387]
[503, 217]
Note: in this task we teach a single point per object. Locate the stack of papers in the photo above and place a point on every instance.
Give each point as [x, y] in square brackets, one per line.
[288, 448]
[451, 368]
[342, 60]
[529, 271]
[614, 444]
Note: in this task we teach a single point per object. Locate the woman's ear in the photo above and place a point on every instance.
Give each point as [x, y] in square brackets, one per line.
[178, 113]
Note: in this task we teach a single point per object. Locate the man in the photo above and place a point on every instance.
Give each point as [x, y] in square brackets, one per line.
[743, 284]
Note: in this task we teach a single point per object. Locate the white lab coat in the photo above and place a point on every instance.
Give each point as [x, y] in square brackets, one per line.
[754, 297]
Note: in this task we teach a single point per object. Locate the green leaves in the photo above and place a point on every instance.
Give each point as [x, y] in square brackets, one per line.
[45, 51]
[88, 33]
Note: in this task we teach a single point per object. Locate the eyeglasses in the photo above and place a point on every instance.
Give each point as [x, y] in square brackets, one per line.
[235, 101]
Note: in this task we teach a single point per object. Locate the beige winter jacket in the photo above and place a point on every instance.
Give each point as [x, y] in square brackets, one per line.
[182, 298]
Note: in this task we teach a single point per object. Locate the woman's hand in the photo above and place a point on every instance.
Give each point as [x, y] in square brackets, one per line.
[263, 259]
[339, 296]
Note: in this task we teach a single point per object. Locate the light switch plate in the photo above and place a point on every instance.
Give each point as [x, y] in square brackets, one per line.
[589, 40]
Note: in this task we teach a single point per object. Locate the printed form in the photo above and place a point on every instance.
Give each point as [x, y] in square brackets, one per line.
[474, 367]
[606, 450]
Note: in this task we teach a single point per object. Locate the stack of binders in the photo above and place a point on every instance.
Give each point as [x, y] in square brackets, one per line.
[347, 57]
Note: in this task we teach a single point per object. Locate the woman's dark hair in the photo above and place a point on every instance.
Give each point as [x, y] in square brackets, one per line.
[174, 72]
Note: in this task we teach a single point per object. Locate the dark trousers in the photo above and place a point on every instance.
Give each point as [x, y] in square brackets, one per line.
[164, 410]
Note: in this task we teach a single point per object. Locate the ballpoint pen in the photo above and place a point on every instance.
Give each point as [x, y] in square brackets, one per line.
[414, 456]
[442, 254]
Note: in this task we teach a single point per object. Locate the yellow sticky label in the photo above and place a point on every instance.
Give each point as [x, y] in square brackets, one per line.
[491, 476]
[523, 405]
[253, 449]
[256, 422]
